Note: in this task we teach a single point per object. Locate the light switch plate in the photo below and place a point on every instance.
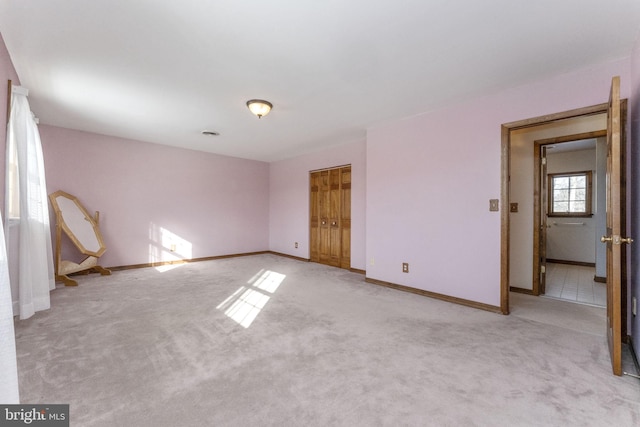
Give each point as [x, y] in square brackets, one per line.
[494, 205]
[513, 207]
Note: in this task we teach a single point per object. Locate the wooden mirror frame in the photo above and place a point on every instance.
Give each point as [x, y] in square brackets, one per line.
[63, 267]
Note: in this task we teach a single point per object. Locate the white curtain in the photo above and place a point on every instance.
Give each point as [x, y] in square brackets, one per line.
[8, 368]
[27, 212]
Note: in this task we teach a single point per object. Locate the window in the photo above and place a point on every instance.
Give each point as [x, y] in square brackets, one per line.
[569, 194]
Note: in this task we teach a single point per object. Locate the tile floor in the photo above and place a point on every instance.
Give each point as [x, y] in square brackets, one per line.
[575, 283]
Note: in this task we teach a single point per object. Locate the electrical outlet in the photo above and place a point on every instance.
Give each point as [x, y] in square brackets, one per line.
[296, 245]
[173, 247]
[405, 267]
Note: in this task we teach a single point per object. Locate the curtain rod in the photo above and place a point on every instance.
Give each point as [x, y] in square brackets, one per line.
[18, 90]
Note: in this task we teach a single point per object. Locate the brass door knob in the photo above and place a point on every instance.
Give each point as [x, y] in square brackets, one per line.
[616, 240]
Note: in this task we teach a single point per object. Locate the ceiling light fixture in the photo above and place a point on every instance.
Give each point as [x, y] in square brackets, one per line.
[259, 107]
[210, 133]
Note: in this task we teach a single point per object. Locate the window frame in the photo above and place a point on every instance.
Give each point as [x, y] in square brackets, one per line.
[588, 196]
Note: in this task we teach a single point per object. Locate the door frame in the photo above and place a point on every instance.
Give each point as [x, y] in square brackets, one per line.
[505, 172]
[539, 232]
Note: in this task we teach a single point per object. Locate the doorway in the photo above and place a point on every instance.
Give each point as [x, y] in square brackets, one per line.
[527, 198]
[616, 210]
[569, 260]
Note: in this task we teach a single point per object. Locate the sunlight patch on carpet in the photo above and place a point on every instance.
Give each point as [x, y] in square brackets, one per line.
[244, 305]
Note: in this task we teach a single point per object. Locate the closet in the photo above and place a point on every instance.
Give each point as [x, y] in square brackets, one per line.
[330, 216]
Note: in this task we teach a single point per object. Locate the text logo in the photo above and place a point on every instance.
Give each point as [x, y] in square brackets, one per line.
[34, 415]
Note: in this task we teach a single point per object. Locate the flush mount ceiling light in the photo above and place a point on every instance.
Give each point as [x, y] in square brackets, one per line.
[259, 107]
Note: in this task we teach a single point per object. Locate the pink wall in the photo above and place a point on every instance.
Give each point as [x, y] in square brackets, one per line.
[430, 178]
[289, 203]
[7, 72]
[634, 190]
[150, 194]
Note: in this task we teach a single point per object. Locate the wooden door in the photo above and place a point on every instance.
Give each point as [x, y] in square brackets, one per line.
[314, 217]
[324, 208]
[345, 217]
[614, 239]
[330, 217]
[335, 230]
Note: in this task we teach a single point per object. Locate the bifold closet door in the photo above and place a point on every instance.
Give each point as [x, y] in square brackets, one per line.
[314, 217]
[330, 217]
[345, 217]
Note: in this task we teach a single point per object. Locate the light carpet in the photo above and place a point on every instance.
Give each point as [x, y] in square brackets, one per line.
[150, 348]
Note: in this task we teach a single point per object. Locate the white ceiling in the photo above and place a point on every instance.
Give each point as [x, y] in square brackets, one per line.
[164, 70]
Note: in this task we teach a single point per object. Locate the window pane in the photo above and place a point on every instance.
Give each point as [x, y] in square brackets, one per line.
[579, 181]
[560, 182]
[578, 207]
[578, 194]
[561, 195]
[560, 206]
